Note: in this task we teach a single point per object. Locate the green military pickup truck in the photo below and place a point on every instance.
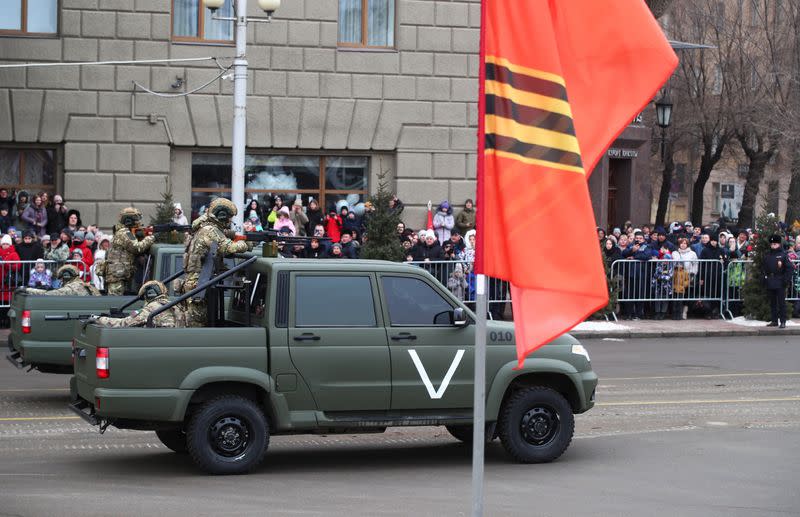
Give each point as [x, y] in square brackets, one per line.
[41, 330]
[326, 346]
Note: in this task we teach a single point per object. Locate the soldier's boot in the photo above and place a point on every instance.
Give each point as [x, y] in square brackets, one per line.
[115, 288]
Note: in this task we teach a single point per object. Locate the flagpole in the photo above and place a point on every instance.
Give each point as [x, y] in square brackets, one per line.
[479, 399]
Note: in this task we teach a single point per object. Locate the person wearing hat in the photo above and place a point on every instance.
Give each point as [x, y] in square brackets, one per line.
[40, 275]
[79, 243]
[71, 284]
[443, 221]
[178, 217]
[155, 295]
[711, 267]
[29, 249]
[56, 250]
[778, 272]
[465, 220]
[298, 217]
[336, 251]
[283, 220]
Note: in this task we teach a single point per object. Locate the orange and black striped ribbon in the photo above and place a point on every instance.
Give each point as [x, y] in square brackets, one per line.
[528, 117]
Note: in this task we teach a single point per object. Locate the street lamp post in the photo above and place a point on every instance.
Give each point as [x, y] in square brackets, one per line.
[240, 91]
[663, 119]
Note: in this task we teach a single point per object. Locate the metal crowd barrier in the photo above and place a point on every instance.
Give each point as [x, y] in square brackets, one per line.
[498, 293]
[17, 273]
[667, 285]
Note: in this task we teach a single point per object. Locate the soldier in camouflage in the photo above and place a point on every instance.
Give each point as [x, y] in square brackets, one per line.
[118, 267]
[155, 296]
[71, 285]
[214, 227]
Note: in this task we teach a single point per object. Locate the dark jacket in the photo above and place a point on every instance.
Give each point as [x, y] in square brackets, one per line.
[778, 269]
[56, 220]
[349, 250]
[315, 217]
[30, 251]
[423, 251]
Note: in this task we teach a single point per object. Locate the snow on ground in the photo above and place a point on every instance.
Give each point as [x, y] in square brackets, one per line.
[596, 326]
[741, 320]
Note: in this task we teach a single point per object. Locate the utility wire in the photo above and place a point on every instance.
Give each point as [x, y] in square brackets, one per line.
[184, 94]
[133, 62]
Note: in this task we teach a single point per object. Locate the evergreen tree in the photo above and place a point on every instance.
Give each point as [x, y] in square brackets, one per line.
[613, 289]
[754, 295]
[381, 223]
[164, 211]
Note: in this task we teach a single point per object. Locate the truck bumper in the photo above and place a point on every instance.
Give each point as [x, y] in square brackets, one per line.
[45, 352]
[162, 405]
[587, 384]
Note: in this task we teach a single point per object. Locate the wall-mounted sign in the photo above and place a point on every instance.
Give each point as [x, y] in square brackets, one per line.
[623, 153]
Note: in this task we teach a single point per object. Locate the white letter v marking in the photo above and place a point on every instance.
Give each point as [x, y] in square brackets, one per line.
[436, 394]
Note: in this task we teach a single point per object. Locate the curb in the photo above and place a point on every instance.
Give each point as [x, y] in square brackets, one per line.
[637, 334]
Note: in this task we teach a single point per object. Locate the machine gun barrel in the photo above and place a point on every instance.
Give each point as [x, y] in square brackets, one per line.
[167, 227]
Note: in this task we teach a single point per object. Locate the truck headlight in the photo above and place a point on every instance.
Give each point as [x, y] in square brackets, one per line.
[581, 350]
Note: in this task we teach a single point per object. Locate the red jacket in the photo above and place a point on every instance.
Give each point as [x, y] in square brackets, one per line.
[8, 272]
[88, 259]
[333, 227]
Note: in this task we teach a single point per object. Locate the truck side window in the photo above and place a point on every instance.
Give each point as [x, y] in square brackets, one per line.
[413, 302]
[334, 301]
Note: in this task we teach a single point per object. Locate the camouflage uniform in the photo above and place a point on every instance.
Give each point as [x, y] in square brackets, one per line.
[72, 285]
[174, 317]
[210, 229]
[118, 267]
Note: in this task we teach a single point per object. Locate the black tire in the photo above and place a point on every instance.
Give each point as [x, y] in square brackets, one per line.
[536, 425]
[228, 435]
[464, 433]
[173, 439]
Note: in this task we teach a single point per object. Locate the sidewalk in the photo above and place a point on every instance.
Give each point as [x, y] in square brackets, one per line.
[682, 328]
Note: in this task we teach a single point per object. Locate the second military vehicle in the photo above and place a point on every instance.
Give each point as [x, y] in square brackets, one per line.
[41, 330]
[326, 346]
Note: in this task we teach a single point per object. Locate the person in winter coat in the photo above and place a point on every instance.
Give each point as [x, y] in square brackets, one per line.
[683, 277]
[7, 200]
[56, 215]
[333, 226]
[284, 221]
[315, 249]
[35, 216]
[443, 222]
[8, 272]
[73, 220]
[778, 272]
[41, 277]
[252, 207]
[298, 217]
[351, 222]
[23, 201]
[349, 250]
[178, 217]
[56, 250]
[429, 250]
[611, 253]
[314, 215]
[662, 281]
[711, 274]
[396, 206]
[79, 242]
[636, 278]
[272, 217]
[457, 283]
[5, 219]
[465, 220]
[29, 250]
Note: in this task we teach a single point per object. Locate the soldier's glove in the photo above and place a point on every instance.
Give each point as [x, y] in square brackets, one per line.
[229, 233]
[250, 246]
[139, 234]
[92, 318]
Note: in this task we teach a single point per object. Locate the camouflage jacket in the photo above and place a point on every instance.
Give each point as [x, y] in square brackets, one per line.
[124, 248]
[197, 248]
[76, 287]
[174, 317]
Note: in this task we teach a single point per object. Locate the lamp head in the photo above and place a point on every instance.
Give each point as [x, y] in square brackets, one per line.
[213, 5]
[269, 6]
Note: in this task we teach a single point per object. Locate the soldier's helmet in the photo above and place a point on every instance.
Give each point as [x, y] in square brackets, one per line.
[67, 273]
[152, 290]
[130, 216]
[222, 210]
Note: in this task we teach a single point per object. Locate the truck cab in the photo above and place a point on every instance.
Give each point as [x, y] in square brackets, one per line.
[325, 346]
[41, 326]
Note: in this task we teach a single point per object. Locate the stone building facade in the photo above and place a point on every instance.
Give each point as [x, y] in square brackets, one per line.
[324, 117]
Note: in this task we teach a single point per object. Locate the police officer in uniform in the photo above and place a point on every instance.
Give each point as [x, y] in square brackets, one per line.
[71, 285]
[778, 270]
[125, 246]
[214, 228]
[155, 297]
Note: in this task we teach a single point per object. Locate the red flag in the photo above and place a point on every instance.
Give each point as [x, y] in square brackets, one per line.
[560, 81]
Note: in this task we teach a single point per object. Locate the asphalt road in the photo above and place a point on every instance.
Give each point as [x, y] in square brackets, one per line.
[706, 427]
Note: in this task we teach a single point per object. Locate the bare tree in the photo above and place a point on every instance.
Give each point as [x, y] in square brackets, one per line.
[701, 83]
[790, 12]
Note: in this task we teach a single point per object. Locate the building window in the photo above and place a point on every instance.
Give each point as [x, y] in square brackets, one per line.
[31, 17]
[715, 199]
[366, 23]
[327, 179]
[33, 170]
[192, 22]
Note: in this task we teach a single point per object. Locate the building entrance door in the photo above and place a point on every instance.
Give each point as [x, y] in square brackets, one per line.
[619, 191]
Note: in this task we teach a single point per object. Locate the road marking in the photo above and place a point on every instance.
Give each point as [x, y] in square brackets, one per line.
[684, 402]
[34, 390]
[702, 376]
[33, 418]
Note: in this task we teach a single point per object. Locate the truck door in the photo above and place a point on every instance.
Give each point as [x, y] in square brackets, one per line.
[432, 360]
[337, 340]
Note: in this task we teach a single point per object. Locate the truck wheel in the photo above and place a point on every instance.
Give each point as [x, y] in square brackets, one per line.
[228, 435]
[173, 439]
[536, 425]
[464, 433]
